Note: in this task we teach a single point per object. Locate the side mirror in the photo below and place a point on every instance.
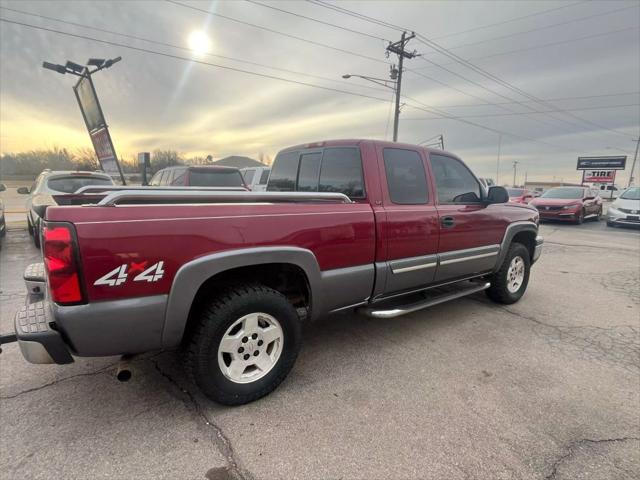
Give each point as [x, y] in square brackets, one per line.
[23, 190]
[2, 187]
[497, 194]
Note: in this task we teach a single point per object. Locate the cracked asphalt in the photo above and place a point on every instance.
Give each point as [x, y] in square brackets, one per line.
[548, 388]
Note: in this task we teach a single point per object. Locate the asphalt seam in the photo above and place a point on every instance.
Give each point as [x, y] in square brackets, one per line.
[55, 382]
[221, 442]
[571, 450]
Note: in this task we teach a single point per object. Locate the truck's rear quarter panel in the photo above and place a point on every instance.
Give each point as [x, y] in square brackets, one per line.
[339, 235]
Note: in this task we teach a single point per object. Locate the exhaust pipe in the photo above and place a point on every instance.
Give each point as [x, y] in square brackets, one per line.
[123, 372]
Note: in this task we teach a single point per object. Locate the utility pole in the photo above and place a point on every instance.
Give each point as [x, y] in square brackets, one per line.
[515, 169]
[633, 165]
[399, 49]
[498, 161]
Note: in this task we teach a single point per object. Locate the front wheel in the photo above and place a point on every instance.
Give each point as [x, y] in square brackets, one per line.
[243, 344]
[580, 217]
[509, 283]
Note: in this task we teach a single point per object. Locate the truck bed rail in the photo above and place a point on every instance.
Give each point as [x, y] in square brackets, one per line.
[115, 188]
[141, 196]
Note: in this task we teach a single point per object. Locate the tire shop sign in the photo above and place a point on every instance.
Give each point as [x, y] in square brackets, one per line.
[601, 169]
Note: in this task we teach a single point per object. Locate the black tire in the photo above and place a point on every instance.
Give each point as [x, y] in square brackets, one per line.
[29, 226]
[580, 218]
[599, 216]
[211, 323]
[499, 291]
[610, 224]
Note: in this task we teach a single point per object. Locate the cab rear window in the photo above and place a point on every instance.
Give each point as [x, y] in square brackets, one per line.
[333, 169]
[72, 183]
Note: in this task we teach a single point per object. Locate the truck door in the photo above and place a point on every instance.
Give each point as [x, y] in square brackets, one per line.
[470, 231]
[410, 228]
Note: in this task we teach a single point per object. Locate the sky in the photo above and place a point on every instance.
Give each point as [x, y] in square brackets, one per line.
[581, 58]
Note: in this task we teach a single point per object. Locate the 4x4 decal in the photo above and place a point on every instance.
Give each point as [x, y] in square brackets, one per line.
[119, 275]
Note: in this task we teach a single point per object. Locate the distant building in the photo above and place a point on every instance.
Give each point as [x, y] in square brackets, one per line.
[239, 162]
[543, 186]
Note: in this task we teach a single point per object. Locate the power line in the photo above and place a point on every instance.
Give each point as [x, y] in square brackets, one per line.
[276, 32]
[179, 47]
[371, 19]
[542, 45]
[489, 25]
[466, 63]
[601, 107]
[544, 27]
[178, 57]
[424, 108]
[317, 20]
[585, 97]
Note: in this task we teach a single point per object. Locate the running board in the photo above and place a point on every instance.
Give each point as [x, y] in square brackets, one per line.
[397, 311]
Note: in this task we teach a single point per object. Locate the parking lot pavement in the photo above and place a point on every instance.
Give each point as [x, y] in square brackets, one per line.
[545, 388]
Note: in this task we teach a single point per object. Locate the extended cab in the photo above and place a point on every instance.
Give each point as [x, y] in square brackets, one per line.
[385, 228]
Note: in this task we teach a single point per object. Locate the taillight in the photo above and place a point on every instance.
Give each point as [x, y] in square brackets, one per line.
[61, 265]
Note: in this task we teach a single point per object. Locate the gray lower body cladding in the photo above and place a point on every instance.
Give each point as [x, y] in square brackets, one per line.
[114, 327]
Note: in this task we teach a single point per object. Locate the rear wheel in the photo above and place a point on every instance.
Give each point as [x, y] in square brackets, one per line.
[243, 344]
[510, 282]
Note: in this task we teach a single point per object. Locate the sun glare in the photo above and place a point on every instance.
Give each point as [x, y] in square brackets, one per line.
[199, 42]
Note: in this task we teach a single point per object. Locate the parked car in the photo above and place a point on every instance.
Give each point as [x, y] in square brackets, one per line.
[3, 225]
[569, 204]
[608, 191]
[256, 178]
[626, 209]
[198, 176]
[50, 183]
[520, 195]
[343, 224]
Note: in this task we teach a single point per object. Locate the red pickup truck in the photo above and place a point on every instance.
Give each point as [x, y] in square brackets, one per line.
[385, 228]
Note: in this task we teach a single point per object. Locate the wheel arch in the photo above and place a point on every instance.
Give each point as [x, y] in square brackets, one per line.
[267, 265]
[521, 232]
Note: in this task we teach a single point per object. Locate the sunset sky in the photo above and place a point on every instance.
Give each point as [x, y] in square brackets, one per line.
[581, 56]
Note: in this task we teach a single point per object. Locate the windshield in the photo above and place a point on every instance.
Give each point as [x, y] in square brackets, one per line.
[564, 192]
[215, 178]
[72, 183]
[515, 192]
[632, 193]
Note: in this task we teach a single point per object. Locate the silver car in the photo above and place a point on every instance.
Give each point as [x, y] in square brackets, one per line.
[50, 183]
[626, 209]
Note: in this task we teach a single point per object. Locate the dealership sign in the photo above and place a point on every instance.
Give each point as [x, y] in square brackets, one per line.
[599, 176]
[97, 126]
[602, 163]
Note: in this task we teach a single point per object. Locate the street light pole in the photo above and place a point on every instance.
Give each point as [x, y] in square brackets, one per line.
[515, 169]
[633, 165]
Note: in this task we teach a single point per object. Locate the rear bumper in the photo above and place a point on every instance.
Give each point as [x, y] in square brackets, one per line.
[38, 341]
[51, 333]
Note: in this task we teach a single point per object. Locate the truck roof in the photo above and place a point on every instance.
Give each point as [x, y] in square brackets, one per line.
[357, 141]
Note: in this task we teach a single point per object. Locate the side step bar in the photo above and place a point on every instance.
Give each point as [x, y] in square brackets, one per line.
[397, 311]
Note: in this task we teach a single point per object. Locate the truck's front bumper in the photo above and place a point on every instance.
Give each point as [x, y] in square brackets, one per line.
[537, 251]
[38, 341]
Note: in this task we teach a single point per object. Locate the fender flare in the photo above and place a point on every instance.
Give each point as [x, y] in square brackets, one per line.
[192, 275]
[512, 230]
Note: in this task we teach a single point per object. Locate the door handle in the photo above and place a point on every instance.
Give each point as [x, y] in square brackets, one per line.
[447, 222]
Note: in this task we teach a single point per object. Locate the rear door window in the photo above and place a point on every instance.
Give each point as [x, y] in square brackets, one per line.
[454, 181]
[406, 178]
